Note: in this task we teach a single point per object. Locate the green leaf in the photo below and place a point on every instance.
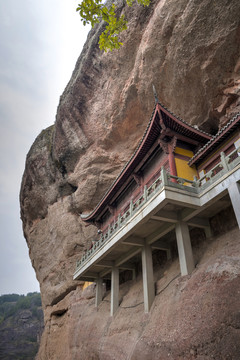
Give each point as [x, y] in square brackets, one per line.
[92, 11]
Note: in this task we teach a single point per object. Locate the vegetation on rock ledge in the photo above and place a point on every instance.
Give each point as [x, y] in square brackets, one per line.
[92, 11]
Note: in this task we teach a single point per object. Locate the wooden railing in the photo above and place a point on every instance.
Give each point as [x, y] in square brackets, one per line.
[226, 164]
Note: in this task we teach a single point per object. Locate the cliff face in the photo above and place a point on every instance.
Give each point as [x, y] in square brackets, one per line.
[192, 317]
[190, 51]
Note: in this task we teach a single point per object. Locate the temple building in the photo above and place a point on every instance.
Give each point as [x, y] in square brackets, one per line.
[177, 178]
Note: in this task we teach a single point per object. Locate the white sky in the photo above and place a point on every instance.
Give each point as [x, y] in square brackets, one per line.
[40, 42]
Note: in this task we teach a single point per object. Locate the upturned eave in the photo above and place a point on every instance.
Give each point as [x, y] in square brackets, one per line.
[216, 140]
[161, 118]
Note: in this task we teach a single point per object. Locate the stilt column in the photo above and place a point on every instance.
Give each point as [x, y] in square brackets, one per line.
[148, 282]
[234, 193]
[184, 248]
[114, 290]
[99, 291]
[208, 232]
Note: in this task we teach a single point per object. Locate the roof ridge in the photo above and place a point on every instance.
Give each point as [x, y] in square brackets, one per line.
[86, 216]
[125, 166]
[215, 136]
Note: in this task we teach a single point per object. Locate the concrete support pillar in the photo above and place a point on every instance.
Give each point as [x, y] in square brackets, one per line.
[184, 248]
[114, 290]
[99, 291]
[169, 254]
[208, 232]
[234, 193]
[148, 281]
[133, 274]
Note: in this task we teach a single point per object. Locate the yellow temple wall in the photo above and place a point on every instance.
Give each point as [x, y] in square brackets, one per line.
[182, 167]
[86, 284]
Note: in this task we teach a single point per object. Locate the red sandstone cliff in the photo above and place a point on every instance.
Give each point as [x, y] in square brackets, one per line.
[190, 50]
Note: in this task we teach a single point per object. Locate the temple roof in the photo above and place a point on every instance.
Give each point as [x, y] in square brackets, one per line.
[216, 139]
[181, 127]
[163, 122]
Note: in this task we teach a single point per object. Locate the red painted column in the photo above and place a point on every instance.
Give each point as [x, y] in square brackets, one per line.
[172, 165]
[169, 148]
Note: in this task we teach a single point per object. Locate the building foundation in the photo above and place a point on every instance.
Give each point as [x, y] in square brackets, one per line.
[114, 290]
[99, 291]
[234, 193]
[184, 248]
[148, 281]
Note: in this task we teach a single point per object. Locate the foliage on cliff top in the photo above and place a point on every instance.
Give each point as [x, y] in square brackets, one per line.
[12, 303]
[92, 11]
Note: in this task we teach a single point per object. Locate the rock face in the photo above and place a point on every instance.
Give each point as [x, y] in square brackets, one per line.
[194, 317]
[190, 51]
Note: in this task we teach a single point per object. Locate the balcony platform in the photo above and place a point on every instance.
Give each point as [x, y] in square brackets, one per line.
[153, 202]
[170, 204]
